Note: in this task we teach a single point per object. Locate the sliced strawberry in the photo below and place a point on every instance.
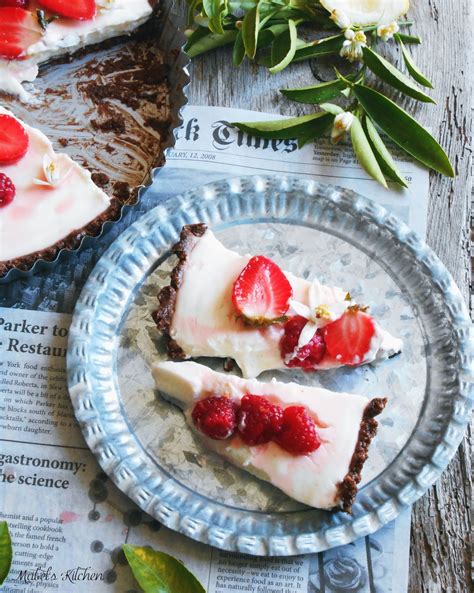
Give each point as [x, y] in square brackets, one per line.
[262, 292]
[348, 338]
[82, 10]
[19, 29]
[13, 140]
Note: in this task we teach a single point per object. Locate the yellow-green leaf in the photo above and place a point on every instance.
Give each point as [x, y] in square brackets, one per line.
[238, 53]
[364, 152]
[202, 40]
[250, 27]
[6, 552]
[408, 38]
[384, 158]
[157, 572]
[322, 47]
[214, 10]
[284, 48]
[303, 126]
[387, 72]
[316, 94]
[412, 67]
[403, 129]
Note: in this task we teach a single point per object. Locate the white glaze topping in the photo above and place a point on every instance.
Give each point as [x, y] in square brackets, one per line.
[205, 323]
[311, 479]
[65, 36]
[41, 215]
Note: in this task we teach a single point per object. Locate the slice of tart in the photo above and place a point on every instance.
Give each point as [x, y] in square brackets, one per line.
[309, 442]
[33, 32]
[222, 304]
[47, 201]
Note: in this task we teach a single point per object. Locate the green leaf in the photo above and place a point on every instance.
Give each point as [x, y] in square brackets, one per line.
[364, 152]
[157, 572]
[408, 38]
[266, 36]
[413, 68]
[285, 48]
[384, 70]
[403, 129]
[192, 7]
[6, 552]
[323, 47]
[238, 53]
[284, 129]
[214, 9]
[202, 40]
[384, 158]
[250, 27]
[316, 94]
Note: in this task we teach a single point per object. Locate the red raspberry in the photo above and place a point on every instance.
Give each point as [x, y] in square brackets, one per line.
[298, 432]
[7, 190]
[15, 3]
[308, 355]
[216, 417]
[258, 419]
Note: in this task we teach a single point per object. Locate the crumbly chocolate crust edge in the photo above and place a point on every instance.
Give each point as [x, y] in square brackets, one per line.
[347, 489]
[71, 241]
[163, 316]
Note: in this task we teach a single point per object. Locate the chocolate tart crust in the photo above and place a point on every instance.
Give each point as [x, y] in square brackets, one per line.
[163, 316]
[347, 489]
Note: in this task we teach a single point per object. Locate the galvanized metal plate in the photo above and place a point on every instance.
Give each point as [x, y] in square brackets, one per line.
[311, 229]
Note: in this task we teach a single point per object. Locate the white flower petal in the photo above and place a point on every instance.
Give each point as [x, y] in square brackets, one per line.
[307, 334]
[301, 309]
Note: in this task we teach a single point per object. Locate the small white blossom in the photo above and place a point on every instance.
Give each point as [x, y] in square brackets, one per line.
[53, 175]
[352, 46]
[340, 19]
[342, 124]
[387, 32]
[316, 313]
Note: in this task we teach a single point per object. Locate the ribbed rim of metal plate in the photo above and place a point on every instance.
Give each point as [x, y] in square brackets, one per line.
[173, 40]
[96, 400]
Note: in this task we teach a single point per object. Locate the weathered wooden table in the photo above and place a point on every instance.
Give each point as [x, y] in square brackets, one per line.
[440, 557]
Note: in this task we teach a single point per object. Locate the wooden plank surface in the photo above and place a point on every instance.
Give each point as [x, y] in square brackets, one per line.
[440, 556]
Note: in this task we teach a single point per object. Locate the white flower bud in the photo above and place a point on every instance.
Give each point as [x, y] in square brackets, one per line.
[342, 124]
[386, 32]
[352, 46]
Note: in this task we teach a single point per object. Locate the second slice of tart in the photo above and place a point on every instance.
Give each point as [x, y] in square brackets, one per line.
[309, 442]
[223, 304]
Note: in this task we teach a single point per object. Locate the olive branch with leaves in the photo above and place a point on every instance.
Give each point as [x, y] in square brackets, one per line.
[267, 32]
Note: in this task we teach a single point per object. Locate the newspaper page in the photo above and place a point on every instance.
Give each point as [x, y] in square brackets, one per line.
[67, 519]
